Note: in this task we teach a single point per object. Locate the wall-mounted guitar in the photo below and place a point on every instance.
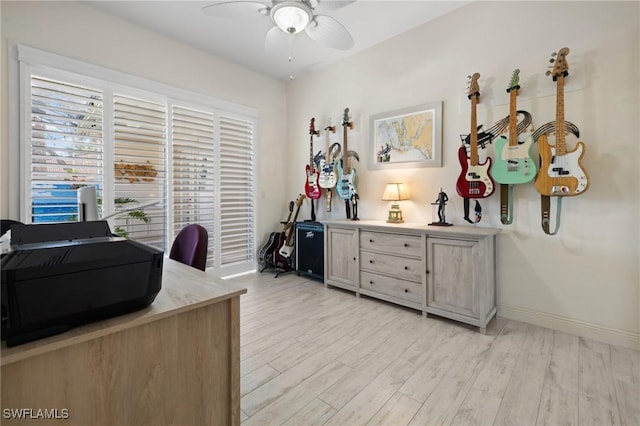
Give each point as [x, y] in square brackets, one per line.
[346, 186]
[561, 173]
[328, 172]
[513, 162]
[311, 186]
[474, 180]
[282, 254]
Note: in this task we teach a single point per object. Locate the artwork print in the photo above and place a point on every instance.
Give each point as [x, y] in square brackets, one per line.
[410, 137]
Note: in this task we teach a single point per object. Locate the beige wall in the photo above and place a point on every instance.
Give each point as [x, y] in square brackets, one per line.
[84, 33]
[586, 278]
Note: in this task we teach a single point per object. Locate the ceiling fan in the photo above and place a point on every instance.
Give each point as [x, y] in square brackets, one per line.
[290, 17]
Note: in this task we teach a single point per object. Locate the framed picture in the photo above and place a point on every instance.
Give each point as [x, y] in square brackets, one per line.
[409, 137]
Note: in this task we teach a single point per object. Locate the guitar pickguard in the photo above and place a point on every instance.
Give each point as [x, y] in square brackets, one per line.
[560, 175]
[513, 164]
[327, 175]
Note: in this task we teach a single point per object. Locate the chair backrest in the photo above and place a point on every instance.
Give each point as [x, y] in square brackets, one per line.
[190, 246]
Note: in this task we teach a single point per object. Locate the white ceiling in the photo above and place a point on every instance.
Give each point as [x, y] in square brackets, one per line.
[241, 40]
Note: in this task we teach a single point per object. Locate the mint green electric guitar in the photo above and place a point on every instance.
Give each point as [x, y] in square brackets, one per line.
[513, 163]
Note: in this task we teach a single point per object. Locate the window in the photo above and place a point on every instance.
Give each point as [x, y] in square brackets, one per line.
[183, 158]
[66, 147]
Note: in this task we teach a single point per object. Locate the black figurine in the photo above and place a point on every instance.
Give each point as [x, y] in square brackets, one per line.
[441, 202]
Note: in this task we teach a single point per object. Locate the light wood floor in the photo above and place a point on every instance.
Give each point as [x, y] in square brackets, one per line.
[313, 356]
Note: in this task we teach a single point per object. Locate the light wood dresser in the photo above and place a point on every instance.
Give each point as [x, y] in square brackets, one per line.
[175, 362]
[446, 271]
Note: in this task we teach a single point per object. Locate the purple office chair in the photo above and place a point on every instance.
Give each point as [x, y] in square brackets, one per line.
[190, 246]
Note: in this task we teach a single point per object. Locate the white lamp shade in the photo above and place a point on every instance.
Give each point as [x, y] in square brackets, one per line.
[395, 192]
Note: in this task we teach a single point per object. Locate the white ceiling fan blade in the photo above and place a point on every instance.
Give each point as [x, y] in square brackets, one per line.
[323, 5]
[237, 9]
[329, 32]
[277, 42]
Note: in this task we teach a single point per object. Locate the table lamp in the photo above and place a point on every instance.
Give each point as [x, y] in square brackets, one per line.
[395, 192]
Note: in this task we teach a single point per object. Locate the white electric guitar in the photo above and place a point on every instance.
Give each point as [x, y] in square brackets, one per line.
[328, 172]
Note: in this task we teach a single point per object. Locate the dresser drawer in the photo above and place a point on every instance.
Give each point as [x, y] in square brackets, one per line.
[395, 266]
[398, 244]
[405, 290]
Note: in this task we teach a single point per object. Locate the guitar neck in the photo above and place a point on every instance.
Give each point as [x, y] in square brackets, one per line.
[290, 235]
[311, 164]
[560, 144]
[513, 117]
[345, 155]
[327, 136]
[474, 132]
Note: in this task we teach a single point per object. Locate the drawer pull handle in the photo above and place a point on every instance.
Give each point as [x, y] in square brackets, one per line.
[406, 245]
[354, 258]
[406, 290]
[371, 282]
[371, 241]
[406, 268]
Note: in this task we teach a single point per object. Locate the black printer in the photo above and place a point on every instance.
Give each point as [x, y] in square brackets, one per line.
[58, 276]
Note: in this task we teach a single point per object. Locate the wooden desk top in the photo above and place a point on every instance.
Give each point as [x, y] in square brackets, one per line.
[183, 289]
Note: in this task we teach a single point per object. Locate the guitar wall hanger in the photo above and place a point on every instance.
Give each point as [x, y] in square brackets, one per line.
[488, 136]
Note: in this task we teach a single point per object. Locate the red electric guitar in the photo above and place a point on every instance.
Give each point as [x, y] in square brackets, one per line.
[311, 186]
[474, 180]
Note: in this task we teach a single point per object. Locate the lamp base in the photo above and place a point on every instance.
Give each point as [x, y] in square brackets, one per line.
[395, 214]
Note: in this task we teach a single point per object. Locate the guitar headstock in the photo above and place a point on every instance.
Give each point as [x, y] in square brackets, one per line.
[312, 127]
[330, 127]
[560, 64]
[345, 119]
[300, 199]
[515, 79]
[473, 89]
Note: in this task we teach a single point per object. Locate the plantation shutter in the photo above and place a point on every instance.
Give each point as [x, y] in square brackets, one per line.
[193, 170]
[139, 168]
[66, 147]
[236, 191]
[160, 157]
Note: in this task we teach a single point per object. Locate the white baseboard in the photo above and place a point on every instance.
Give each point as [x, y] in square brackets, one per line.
[568, 325]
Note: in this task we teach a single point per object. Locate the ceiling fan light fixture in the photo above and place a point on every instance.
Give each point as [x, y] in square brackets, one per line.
[290, 16]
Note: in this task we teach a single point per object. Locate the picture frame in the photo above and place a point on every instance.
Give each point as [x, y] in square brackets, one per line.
[408, 137]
